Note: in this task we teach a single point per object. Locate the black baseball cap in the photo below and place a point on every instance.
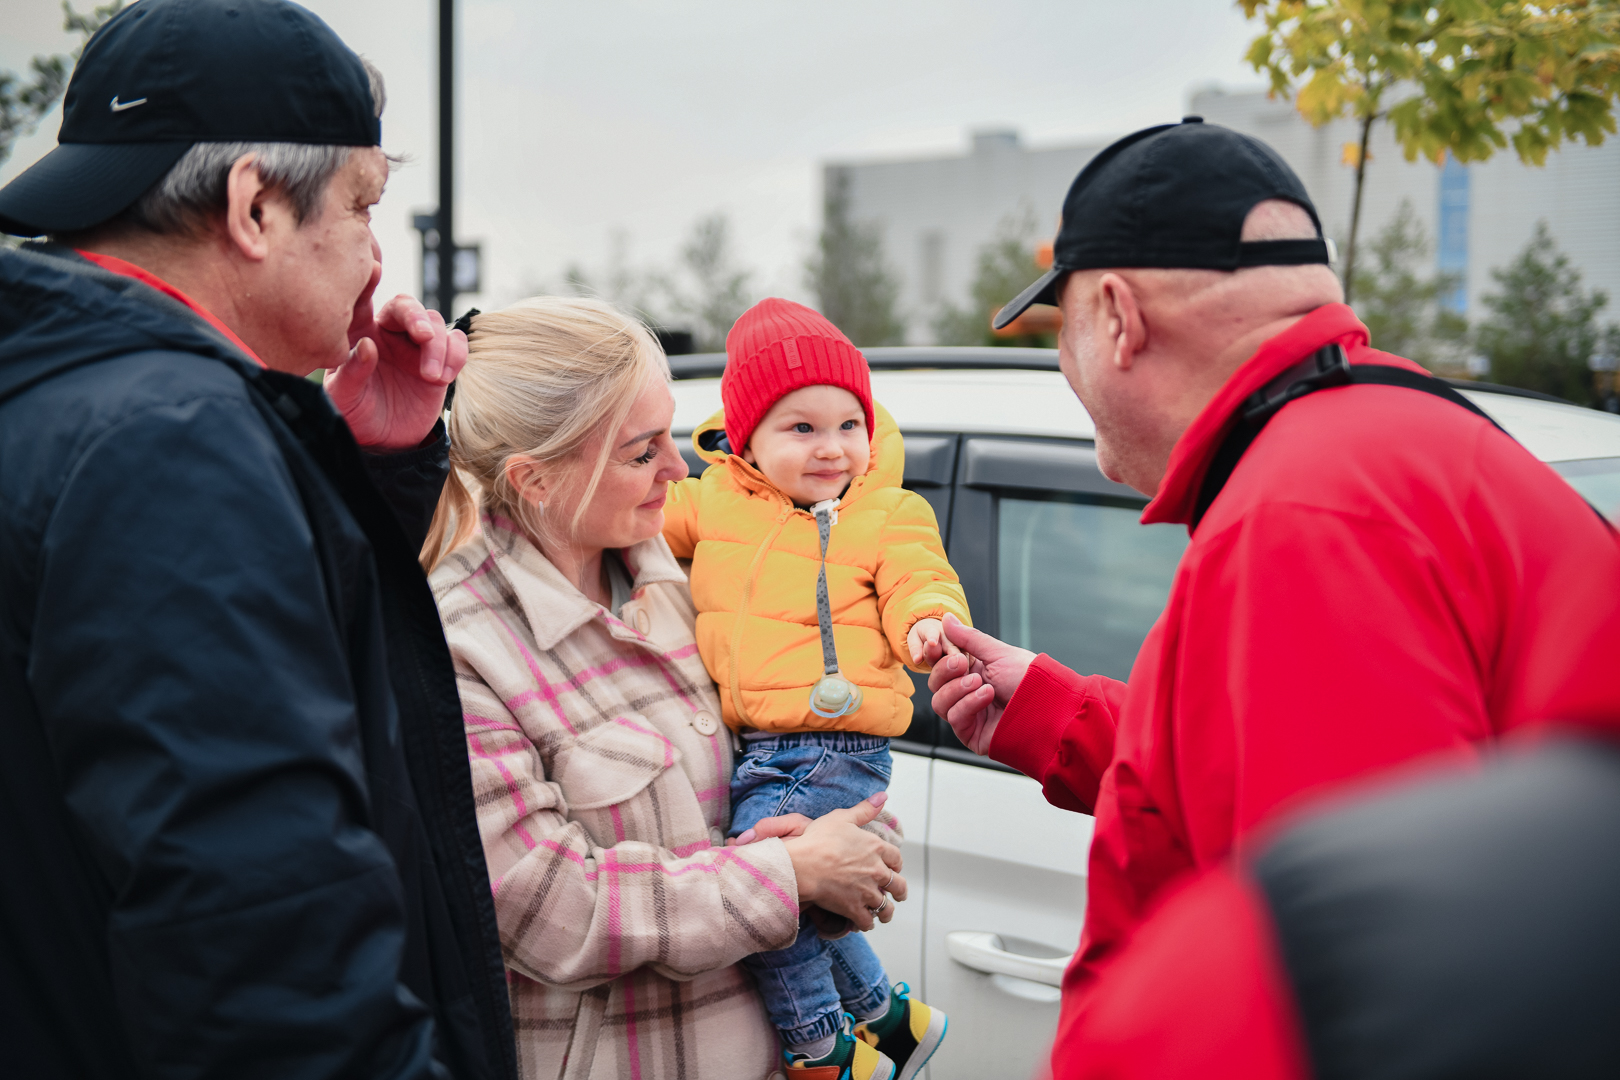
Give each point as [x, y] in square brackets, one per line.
[164, 75]
[1174, 197]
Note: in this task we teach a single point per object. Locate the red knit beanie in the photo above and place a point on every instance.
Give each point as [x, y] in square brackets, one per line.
[776, 347]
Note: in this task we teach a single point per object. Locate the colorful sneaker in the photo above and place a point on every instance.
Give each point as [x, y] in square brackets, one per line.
[849, 1059]
[908, 1034]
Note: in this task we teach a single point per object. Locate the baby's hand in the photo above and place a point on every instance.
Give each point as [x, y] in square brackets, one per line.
[928, 642]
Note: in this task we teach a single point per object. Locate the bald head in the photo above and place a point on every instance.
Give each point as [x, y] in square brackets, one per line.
[1147, 349]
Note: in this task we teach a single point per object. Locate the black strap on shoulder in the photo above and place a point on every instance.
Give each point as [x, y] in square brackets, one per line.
[1326, 367]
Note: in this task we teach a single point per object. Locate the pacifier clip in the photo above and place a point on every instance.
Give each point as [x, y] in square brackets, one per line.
[833, 695]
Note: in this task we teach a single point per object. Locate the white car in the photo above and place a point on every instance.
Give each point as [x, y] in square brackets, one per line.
[1052, 559]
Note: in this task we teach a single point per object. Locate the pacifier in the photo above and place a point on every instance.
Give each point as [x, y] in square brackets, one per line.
[834, 696]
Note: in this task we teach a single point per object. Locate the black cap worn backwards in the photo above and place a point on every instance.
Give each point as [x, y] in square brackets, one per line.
[1175, 197]
[164, 75]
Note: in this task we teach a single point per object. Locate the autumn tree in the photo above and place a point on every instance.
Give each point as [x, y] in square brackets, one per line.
[854, 286]
[1458, 77]
[1006, 266]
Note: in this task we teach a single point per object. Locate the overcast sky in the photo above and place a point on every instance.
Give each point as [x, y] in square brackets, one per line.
[584, 119]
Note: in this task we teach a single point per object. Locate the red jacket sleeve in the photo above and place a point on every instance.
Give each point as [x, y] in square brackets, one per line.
[1059, 729]
[1200, 993]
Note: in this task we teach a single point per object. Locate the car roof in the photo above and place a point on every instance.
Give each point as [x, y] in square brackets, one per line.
[1021, 392]
[978, 402]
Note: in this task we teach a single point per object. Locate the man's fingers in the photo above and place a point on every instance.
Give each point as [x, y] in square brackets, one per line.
[949, 668]
[348, 379]
[455, 356]
[953, 690]
[970, 640]
[965, 713]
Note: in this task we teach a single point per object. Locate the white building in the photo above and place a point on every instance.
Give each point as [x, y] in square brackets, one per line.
[937, 213]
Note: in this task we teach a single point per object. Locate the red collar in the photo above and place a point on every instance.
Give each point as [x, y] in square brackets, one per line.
[1190, 458]
[130, 270]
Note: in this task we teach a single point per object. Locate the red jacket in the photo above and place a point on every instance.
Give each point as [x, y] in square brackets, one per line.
[1419, 927]
[1382, 578]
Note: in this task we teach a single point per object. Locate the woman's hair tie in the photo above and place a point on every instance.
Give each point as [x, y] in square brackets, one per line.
[464, 324]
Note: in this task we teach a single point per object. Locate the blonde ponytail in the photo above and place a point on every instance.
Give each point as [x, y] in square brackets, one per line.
[542, 377]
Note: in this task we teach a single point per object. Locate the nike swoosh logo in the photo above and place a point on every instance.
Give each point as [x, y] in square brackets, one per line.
[116, 106]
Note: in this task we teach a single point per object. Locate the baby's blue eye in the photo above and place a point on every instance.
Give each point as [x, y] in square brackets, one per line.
[848, 425]
[803, 429]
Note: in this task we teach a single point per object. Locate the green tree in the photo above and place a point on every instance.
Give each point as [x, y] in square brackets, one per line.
[722, 290]
[854, 286]
[1006, 267]
[24, 101]
[1463, 77]
[1403, 308]
[1543, 331]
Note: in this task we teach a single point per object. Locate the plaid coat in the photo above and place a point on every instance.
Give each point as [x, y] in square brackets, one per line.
[601, 773]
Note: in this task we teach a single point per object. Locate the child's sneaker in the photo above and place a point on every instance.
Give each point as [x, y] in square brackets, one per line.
[849, 1059]
[908, 1034]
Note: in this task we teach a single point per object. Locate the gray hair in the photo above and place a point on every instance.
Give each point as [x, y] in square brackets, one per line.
[194, 188]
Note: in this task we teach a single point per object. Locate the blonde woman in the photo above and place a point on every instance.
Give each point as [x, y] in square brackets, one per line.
[599, 763]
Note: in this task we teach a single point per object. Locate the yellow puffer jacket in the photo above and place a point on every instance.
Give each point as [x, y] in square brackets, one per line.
[755, 558]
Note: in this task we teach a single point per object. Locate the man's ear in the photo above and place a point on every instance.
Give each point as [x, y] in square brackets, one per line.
[247, 200]
[1122, 319]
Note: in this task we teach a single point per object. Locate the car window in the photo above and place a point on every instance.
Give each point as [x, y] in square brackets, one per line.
[1082, 582]
[1598, 481]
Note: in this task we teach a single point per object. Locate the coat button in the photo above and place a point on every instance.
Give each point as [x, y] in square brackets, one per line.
[706, 724]
[643, 621]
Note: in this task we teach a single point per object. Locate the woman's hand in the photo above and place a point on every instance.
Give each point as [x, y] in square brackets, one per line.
[846, 870]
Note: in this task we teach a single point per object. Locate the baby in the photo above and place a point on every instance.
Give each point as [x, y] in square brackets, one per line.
[816, 578]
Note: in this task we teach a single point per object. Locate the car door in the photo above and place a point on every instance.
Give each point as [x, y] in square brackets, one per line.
[1053, 560]
[930, 471]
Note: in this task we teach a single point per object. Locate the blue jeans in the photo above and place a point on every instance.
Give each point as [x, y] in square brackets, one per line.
[808, 986]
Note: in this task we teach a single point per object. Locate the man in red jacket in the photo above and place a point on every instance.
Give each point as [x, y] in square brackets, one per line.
[1376, 572]
[1460, 924]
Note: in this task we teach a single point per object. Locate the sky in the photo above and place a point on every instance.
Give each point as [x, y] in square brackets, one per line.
[593, 123]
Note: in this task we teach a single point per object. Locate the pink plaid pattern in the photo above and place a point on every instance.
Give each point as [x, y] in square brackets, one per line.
[602, 808]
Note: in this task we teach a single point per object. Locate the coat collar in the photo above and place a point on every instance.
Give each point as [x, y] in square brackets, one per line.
[553, 606]
[1189, 460]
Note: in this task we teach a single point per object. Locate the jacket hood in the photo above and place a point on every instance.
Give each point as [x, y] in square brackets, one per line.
[887, 467]
[62, 311]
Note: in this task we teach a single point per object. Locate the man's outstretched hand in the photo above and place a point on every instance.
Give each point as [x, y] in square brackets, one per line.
[972, 691]
[401, 358]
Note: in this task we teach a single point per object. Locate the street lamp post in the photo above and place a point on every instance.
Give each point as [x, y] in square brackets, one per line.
[446, 247]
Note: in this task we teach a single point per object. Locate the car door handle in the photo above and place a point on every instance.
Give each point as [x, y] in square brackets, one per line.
[986, 952]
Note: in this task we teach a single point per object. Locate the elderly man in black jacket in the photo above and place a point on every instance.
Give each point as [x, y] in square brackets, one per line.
[239, 834]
